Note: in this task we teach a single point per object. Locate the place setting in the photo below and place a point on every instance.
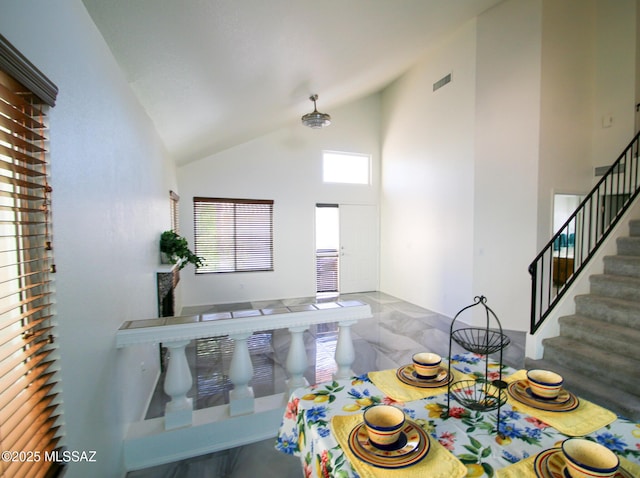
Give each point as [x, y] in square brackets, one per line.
[424, 377]
[541, 393]
[574, 458]
[543, 389]
[425, 371]
[579, 458]
[384, 439]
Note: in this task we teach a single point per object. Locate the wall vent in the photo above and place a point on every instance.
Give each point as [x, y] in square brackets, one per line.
[441, 82]
[601, 170]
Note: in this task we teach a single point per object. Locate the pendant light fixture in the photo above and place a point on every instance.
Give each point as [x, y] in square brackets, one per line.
[316, 119]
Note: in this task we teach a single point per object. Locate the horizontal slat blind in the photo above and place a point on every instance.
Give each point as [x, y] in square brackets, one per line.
[28, 405]
[233, 235]
[326, 271]
[174, 211]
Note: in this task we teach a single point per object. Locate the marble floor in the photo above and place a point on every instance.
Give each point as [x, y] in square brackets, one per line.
[397, 330]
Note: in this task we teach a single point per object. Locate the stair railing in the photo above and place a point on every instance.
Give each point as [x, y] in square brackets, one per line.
[570, 249]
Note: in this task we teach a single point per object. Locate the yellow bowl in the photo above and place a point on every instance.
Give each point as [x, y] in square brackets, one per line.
[426, 364]
[588, 459]
[384, 424]
[545, 383]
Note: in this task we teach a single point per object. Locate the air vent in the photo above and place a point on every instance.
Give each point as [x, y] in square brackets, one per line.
[602, 170]
[441, 82]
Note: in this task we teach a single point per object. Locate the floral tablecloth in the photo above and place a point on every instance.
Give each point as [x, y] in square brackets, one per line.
[470, 435]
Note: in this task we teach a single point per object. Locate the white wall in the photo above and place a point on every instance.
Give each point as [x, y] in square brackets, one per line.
[427, 179]
[615, 81]
[567, 106]
[473, 214]
[110, 179]
[588, 88]
[285, 166]
[506, 168]
[459, 191]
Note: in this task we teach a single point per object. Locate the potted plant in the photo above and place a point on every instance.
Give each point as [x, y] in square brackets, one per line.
[177, 251]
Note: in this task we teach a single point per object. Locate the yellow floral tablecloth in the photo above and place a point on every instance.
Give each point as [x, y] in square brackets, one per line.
[471, 436]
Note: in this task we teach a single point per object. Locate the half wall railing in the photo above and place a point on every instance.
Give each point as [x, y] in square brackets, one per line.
[183, 431]
[558, 264]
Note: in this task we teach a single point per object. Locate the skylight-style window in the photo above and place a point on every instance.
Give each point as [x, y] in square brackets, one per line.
[351, 168]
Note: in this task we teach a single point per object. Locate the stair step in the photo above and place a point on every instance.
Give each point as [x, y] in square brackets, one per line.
[622, 265]
[603, 335]
[623, 403]
[628, 246]
[609, 309]
[621, 287]
[607, 367]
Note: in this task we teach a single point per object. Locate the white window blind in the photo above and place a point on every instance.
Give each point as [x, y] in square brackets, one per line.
[233, 235]
[28, 381]
[174, 201]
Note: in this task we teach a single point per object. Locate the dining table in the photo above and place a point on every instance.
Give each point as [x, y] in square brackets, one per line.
[446, 437]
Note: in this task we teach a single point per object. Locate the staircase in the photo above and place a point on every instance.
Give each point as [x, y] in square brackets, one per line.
[598, 349]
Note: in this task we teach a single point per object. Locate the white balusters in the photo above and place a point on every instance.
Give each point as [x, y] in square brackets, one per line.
[177, 382]
[241, 398]
[176, 335]
[345, 353]
[297, 359]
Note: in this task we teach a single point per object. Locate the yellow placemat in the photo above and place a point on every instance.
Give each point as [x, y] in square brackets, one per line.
[390, 384]
[632, 468]
[585, 419]
[524, 468]
[521, 469]
[439, 462]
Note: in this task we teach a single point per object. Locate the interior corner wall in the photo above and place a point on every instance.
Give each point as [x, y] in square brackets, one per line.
[506, 157]
[614, 79]
[427, 178]
[111, 178]
[286, 166]
[588, 93]
[567, 84]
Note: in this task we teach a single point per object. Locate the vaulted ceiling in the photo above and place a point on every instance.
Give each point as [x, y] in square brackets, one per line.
[212, 74]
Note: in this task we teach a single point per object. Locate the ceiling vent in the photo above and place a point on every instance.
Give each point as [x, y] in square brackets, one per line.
[441, 82]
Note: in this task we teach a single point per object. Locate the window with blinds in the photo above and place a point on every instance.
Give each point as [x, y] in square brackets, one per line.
[174, 200]
[28, 402]
[233, 235]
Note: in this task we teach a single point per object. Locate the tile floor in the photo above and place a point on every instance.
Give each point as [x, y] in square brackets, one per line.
[397, 330]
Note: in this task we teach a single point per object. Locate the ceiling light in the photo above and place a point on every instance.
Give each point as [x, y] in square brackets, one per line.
[315, 119]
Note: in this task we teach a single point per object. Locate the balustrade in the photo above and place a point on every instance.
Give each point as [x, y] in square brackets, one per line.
[175, 333]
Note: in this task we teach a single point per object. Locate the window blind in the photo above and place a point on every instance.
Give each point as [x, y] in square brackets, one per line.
[233, 235]
[174, 200]
[28, 401]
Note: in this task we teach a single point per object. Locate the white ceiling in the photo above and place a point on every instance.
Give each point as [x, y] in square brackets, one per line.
[215, 73]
